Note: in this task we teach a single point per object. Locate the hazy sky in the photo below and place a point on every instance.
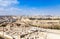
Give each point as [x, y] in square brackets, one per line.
[29, 7]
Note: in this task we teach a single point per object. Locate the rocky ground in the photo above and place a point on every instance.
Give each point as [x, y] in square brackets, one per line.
[13, 28]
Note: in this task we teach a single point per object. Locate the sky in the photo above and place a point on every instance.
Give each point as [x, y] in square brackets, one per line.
[30, 7]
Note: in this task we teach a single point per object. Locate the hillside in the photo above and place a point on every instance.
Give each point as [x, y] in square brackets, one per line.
[21, 27]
